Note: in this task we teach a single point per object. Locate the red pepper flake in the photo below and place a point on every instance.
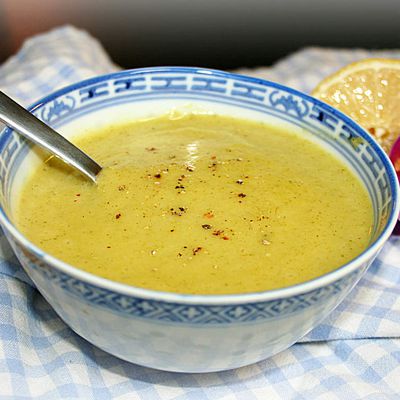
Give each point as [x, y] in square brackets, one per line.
[220, 233]
[209, 214]
[196, 250]
[118, 216]
[242, 195]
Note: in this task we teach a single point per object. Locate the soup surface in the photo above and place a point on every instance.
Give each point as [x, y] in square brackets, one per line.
[200, 204]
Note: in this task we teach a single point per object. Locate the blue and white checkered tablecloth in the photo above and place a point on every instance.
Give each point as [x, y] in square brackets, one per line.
[354, 354]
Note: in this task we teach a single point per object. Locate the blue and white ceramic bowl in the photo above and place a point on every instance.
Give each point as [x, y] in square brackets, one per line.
[190, 333]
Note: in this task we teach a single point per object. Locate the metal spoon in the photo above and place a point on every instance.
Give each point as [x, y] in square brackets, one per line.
[25, 123]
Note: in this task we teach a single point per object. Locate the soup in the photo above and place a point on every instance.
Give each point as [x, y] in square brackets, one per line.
[200, 204]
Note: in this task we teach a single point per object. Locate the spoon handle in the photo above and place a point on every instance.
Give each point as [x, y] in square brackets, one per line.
[25, 123]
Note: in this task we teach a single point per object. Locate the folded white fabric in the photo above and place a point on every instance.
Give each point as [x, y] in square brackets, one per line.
[354, 354]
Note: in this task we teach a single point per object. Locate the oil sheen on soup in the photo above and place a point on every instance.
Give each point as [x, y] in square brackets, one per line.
[200, 204]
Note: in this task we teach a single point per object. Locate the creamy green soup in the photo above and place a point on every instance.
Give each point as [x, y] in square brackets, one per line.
[202, 204]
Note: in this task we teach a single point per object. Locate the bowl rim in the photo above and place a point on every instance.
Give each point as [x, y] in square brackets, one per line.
[223, 299]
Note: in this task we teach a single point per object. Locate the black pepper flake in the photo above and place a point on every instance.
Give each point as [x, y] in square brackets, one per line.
[172, 230]
[179, 254]
[108, 247]
[213, 166]
[239, 182]
[78, 194]
[121, 188]
[158, 176]
[196, 250]
[189, 168]
[151, 149]
[206, 226]
[179, 187]
[242, 195]
[220, 233]
[179, 212]
[118, 216]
